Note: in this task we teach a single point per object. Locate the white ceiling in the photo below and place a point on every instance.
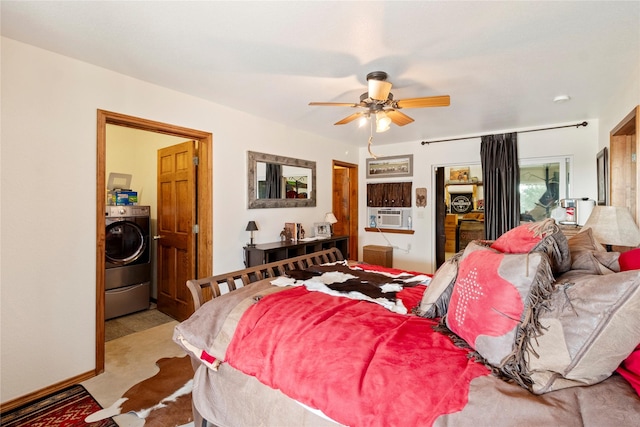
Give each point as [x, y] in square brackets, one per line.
[502, 63]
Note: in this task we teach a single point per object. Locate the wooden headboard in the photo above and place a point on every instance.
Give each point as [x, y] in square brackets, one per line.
[203, 290]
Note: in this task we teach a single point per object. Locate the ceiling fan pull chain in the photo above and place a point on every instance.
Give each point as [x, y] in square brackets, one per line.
[369, 147]
[371, 139]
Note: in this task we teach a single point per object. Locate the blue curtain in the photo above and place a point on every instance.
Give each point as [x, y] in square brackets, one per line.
[501, 182]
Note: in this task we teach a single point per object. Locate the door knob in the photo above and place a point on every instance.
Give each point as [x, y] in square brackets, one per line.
[157, 237]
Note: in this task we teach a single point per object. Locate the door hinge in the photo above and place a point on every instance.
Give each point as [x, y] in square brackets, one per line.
[196, 229]
[196, 161]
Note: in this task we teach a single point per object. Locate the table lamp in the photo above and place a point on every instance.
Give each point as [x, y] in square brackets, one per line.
[251, 226]
[331, 219]
[613, 225]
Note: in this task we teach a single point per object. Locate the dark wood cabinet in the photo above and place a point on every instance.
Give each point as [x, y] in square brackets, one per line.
[277, 251]
[389, 195]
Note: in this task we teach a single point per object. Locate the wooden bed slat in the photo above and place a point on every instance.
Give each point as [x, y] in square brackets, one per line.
[253, 274]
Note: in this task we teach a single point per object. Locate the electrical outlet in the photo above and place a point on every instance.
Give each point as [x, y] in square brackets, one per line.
[408, 247]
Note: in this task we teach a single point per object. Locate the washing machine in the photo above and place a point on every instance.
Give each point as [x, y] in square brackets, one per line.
[127, 260]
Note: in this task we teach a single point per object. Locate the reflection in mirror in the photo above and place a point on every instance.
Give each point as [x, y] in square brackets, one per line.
[278, 181]
[275, 181]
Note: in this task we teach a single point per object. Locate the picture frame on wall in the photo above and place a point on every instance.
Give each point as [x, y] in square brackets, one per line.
[459, 175]
[602, 168]
[390, 167]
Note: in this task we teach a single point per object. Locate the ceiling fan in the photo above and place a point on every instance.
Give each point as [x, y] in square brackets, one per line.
[378, 102]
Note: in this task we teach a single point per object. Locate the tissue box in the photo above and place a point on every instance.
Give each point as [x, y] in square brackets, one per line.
[126, 197]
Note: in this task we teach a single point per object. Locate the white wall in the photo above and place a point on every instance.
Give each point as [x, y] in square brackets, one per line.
[625, 96]
[48, 175]
[580, 143]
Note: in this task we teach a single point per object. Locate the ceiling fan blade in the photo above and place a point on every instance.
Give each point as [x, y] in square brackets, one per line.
[398, 118]
[333, 104]
[427, 101]
[379, 89]
[349, 119]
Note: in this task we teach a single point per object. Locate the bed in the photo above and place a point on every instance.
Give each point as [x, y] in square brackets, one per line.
[532, 329]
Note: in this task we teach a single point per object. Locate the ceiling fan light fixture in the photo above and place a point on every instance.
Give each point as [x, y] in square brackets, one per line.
[379, 89]
[382, 122]
[363, 121]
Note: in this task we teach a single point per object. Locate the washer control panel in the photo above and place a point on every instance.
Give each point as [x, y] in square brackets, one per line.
[132, 210]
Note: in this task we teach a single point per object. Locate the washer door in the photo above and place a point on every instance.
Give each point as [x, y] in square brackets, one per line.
[125, 242]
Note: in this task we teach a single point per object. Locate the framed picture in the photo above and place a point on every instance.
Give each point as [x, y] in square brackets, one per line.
[421, 197]
[602, 168]
[322, 229]
[393, 166]
[459, 175]
[291, 231]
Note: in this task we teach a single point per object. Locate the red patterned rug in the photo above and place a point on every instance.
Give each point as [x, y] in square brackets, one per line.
[67, 408]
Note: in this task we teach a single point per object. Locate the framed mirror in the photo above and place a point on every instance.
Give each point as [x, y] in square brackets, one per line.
[280, 182]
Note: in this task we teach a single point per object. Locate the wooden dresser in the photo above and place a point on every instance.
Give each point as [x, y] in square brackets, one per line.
[270, 252]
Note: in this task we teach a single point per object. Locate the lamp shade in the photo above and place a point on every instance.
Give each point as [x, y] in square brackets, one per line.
[378, 89]
[383, 122]
[613, 225]
[330, 218]
[251, 226]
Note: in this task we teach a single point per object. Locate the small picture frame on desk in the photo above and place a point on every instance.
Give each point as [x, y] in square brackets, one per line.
[291, 231]
[322, 230]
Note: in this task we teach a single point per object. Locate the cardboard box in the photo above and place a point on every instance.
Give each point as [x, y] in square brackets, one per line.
[126, 198]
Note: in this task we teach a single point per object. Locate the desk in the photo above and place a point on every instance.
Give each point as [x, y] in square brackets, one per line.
[277, 251]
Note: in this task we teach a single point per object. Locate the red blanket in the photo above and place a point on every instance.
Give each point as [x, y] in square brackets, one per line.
[359, 363]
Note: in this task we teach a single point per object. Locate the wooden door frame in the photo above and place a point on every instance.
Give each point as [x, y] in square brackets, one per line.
[204, 204]
[440, 213]
[353, 203]
[624, 179]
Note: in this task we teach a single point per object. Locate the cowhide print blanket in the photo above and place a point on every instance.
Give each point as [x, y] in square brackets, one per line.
[341, 280]
[163, 400]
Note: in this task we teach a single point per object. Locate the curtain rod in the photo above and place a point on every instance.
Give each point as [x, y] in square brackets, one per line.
[577, 125]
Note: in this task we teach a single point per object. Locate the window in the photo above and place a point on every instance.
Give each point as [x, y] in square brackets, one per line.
[543, 183]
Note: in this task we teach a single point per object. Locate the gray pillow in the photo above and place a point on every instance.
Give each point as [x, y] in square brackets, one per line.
[435, 299]
[588, 327]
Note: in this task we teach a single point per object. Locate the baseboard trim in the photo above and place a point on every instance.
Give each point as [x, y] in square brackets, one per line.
[28, 398]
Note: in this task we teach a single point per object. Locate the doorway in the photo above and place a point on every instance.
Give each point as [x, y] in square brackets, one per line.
[459, 215]
[345, 204]
[204, 212]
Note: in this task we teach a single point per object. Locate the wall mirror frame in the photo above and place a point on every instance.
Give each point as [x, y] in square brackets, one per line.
[254, 202]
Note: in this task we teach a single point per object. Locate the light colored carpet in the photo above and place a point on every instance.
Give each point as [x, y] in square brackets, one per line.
[129, 360]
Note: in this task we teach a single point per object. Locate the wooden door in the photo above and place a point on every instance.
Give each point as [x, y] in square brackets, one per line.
[345, 204]
[341, 202]
[176, 253]
[624, 177]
